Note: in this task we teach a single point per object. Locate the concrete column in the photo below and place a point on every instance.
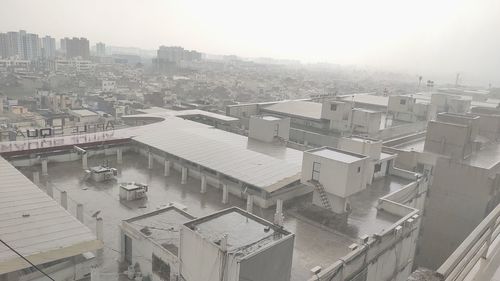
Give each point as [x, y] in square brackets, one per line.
[44, 167]
[250, 203]
[203, 183]
[150, 160]
[50, 190]
[167, 168]
[99, 229]
[85, 166]
[184, 173]
[79, 212]
[224, 194]
[278, 216]
[95, 275]
[36, 177]
[64, 199]
[119, 156]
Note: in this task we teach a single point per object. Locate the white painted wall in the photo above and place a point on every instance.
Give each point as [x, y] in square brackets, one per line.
[339, 178]
[267, 130]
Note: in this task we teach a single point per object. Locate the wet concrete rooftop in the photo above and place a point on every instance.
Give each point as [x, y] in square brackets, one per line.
[314, 244]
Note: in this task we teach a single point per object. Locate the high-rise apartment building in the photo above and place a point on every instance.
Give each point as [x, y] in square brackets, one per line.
[4, 50]
[77, 47]
[12, 44]
[31, 47]
[48, 47]
[63, 45]
[100, 49]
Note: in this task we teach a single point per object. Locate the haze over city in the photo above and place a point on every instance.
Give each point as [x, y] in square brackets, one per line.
[249, 140]
[430, 38]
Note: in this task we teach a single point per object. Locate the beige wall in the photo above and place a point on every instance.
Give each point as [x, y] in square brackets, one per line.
[458, 200]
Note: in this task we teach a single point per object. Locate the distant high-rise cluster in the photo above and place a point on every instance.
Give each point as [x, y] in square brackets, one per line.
[100, 49]
[75, 47]
[28, 46]
[20, 45]
[169, 57]
[177, 54]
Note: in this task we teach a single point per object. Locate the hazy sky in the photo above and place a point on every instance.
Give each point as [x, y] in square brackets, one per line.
[429, 37]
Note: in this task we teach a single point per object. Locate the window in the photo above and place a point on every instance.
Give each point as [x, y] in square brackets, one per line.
[333, 107]
[316, 170]
[378, 167]
[402, 102]
[359, 169]
[161, 269]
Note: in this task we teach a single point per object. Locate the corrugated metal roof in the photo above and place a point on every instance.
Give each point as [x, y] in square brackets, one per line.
[306, 109]
[48, 233]
[224, 152]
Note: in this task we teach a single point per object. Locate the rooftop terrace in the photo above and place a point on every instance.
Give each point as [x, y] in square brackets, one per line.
[315, 244]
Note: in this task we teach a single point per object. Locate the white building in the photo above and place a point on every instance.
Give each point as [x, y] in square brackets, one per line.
[407, 108]
[379, 163]
[73, 65]
[269, 128]
[84, 116]
[15, 64]
[339, 113]
[48, 47]
[100, 49]
[338, 175]
[152, 241]
[234, 245]
[366, 121]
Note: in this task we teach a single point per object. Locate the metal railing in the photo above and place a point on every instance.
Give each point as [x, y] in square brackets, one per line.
[473, 248]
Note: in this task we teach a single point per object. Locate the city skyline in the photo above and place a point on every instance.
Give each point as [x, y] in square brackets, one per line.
[435, 38]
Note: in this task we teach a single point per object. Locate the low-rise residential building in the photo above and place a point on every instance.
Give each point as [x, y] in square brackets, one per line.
[150, 243]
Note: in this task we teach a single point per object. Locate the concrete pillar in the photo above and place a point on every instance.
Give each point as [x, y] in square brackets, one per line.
[119, 156]
[64, 199]
[50, 190]
[150, 160]
[167, 168]
[203, 183]
[278, 216]
[79, 212]
[223, 243]
[184, 173]
[224, 194]
[99, 229]
[85, 166]
[95, 275]
[36, 177]
[44, 167]
[250, 203]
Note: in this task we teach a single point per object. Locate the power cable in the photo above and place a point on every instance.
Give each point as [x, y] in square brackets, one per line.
[36, 267]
